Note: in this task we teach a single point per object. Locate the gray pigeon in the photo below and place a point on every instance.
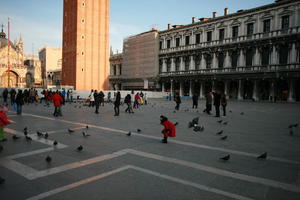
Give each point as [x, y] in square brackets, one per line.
[225, 158]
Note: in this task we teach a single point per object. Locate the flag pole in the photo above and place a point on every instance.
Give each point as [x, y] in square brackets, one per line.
[8, 49]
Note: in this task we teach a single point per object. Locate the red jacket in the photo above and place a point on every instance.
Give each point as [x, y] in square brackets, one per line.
[3, 119]
[169, 129]
[57, 100]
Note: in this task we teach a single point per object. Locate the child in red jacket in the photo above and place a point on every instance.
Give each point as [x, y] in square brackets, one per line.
[3, 122]
[169, 129]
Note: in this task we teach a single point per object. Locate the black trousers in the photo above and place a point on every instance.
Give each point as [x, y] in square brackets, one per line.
[117, 110]
[224, 109]
[217, 107]
[195, 104]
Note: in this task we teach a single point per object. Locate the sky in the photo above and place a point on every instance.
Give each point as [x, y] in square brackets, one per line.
[39, 22]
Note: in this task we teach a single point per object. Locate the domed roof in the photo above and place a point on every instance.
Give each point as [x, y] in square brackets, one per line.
[4, 43]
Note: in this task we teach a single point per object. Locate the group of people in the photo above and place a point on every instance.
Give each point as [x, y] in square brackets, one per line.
[217, 98]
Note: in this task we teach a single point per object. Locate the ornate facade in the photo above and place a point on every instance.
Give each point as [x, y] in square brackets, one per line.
[24, 71]
[251, 54]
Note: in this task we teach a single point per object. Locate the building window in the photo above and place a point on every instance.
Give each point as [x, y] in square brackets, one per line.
[177, 42]
[114, 70]
[249, 57]
[208, 61]
[82, 20]
[177, 64]
[285, 22]
[187, 64]
[234, 59]
[82, 53]
[209, 36]
[221, 60]
[83, 4]
[197, 62]
[235, 31]
[250, 29]
[283, 54]
[198, 38]
[221, 34]
[265, 57]
[120, 69]
[187, 40]
[168, 65]
[168, 43]
[82, 37]
[267, 26]
[160, 44]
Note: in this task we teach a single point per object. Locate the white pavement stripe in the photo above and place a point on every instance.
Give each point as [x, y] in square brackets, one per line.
[213, 170]
[74, 165]
[189, 183]
[17, 167]
[30, 153]
[76, 184]
[175, 141]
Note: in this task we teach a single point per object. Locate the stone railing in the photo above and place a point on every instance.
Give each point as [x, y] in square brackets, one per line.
[243, 38]
[250, 69]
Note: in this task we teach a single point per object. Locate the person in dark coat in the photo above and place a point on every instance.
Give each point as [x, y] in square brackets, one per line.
[127, 100]
[101, 95]
[117, 104]
[5, 95]
[169, 128]
[195, 101]
[177, 100]
[19, 102]
[217, 102]
[12, 93]
[97, 101]
[224, 103]
[208, 104]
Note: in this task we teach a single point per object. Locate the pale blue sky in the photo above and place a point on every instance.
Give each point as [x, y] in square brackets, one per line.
[40, 21]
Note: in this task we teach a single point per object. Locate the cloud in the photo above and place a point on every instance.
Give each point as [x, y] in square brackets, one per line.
[35, 35]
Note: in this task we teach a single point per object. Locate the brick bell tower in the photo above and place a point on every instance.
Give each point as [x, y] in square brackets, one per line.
[85, 59]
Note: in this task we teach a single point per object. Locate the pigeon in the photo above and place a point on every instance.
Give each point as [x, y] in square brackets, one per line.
[46, 135]
[198, 128]
[39, 134]
[79, 107]
[224, 138]
[87, 127]
[139, 130]
[129, 133]
[75, 106]
[1, 148]
[230, 111]
[70, 130]
[79, 148]
[25, 132]
[220, 121]
[48, 159]
[262, 156]
[176, 123]
[25, 129]
[291, 126]
[225, 158]
[28, 138]
[174, 111]
[55, 143]
[219, 133]
[242, 113]
[14, 137]
[225, 123]
[84, 134]
[291, 132]
[296, 125]
[195, 120]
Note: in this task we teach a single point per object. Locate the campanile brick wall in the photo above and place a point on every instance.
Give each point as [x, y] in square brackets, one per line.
[86, 44]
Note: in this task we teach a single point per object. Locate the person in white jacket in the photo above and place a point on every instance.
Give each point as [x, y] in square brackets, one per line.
[92, 99]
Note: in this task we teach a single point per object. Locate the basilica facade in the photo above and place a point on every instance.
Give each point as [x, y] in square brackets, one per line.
[24, 71]
[250, 54]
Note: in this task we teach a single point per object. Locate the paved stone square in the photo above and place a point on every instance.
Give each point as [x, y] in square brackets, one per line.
[115, 166]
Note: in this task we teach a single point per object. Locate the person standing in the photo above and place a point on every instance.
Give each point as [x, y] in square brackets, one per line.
[195, 100]
[117, 104]
[57, 101]
[97, 101]
[12, 93]
[136, 100]
[19, 102]
[3, 122]
[169, 129]
[145, 98]
[177, 100]
[127, 100]
[224, 103]
[101, 94]
[92, 98]
[217, 102]
[208, 104]
[5, 95]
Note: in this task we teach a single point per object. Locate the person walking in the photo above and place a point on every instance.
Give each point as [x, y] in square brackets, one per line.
[97, 101]
[3, 122]
[224, 103]
[217, 102]
[169, 129]
[101, 94]
[208, 104]
[177, 100]
[12, 93]
[57, 102]
[117, 104]
[19, 102]
[5, 95]
[195, 100]
[92, 98]
[127, 100]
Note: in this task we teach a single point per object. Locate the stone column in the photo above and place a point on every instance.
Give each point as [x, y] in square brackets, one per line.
[293, 54]
[291, 97]
[162, 86]
[274, 56]
[242, 59]
[181, 64]
[240, 90]
[172, 64]
[203, 62]
[213, 84]
[191, 88]
[272, 91]
[257, 57]
[171, 89]
[226, 88]
[164, 66]
[201, 90]
[254, 95]
[227, 61]
[214, 61]
[181, 88]
[192, 62]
